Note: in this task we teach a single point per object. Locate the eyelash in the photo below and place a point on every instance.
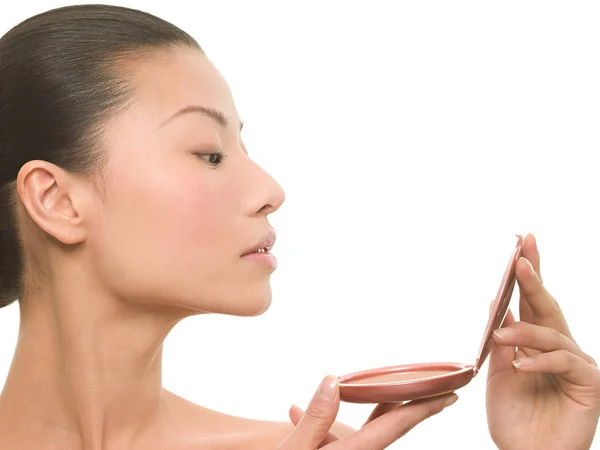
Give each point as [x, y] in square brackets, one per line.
[220, 155]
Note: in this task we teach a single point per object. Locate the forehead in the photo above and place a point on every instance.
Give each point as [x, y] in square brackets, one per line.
[177, 78]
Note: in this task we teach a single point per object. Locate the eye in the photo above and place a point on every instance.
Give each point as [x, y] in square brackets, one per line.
[214, 159]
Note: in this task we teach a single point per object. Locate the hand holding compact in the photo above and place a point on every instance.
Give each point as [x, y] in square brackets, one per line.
[546, 394]
[388, 423]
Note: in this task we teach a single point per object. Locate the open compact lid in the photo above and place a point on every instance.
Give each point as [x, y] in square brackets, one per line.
[500, 306]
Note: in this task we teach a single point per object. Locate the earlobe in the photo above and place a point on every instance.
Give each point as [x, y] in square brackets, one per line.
[47, 193]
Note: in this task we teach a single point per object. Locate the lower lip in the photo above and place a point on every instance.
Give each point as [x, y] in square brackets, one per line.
[263, 258]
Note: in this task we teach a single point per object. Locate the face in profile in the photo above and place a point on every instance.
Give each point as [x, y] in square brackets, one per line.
[181, 199]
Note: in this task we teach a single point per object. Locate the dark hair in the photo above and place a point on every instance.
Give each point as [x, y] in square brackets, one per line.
[60, 80]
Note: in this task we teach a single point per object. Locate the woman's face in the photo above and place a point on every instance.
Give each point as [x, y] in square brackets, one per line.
[175, 218]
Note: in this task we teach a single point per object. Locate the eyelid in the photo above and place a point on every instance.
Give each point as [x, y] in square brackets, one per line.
[219, 153]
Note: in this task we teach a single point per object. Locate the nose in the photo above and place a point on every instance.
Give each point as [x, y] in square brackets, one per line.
[275, 198]
[267, 195]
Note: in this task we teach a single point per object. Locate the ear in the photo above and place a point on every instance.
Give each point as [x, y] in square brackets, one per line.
[53, 199]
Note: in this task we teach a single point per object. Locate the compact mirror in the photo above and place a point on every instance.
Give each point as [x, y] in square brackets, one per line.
[402, 383]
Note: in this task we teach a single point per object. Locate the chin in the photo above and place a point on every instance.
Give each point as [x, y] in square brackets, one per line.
[255, 307]
[248, 299]
[232, 304]
[264, 308]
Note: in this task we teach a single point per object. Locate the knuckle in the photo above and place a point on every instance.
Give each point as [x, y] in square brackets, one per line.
[591, 360]
[544, 314]
[434, 409]
[402, 427]
[519, 326]
[524, 331]
[317, 414]
[557, 337]
[406, 423]
[521, 336]
[596, 381]
[565, 355]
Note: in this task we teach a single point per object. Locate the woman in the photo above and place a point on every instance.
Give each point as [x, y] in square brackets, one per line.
[129, 202]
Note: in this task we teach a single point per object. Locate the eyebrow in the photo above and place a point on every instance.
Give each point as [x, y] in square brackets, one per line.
[216, 115]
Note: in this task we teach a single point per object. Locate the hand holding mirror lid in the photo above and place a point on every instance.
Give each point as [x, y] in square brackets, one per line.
[415, 381]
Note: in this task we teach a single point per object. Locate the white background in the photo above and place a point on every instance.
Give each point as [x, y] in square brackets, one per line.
[413, 141]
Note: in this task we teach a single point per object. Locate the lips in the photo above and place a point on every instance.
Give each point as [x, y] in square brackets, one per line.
[266, 243]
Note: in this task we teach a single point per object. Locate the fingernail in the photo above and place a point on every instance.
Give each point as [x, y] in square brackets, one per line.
[451, 401]
[503, 333]
[327, 389]
[522, 362]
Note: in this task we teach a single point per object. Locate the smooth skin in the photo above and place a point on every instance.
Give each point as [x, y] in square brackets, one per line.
[115, 261]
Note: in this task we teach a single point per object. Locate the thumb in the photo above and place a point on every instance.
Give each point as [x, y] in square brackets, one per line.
[317, 419]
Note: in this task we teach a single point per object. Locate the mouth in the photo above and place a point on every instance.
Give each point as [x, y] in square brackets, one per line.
[264, 245]
[261, 251]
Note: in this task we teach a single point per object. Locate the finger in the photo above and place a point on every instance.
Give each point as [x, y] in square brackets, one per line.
[337, 430]
[388, 428]
[320, 414]
[564, 363]
[544, 339]
[296, 414]
[545, 310]
[530, 251]
[525, 312]
[500, 361]
[501, 357]
[509, 320]
[380, 410]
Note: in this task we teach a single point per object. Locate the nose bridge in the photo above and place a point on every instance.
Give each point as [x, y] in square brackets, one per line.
[264, 194]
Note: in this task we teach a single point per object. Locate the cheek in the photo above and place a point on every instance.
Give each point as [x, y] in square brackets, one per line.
[166, 230]
[196, 218]
[171, 230]
[178, 216]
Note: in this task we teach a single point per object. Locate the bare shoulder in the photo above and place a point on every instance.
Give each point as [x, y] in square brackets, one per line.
[221, 430]
[208, 428]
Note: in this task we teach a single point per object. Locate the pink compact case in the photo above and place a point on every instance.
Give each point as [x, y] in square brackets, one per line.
[402, 383]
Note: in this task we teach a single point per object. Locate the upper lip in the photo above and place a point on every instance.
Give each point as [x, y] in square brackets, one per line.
[267, 242]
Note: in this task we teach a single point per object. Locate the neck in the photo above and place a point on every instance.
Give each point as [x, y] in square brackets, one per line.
[86, 371]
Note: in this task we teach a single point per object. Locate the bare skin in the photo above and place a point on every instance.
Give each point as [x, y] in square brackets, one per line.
[114, 262]
[87, 368]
